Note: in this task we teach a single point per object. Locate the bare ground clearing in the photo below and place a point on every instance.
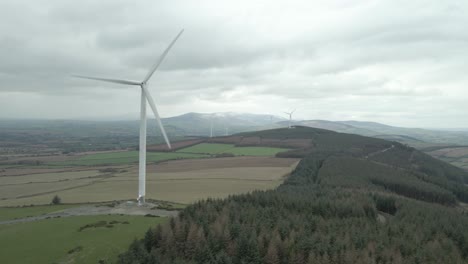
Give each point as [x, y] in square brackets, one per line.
[456, 152]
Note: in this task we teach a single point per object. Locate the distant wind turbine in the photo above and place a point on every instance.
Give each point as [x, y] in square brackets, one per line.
[145, 96]
[211, 126]
[290, 117]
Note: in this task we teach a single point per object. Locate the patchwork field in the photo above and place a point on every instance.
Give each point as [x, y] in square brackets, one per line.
[202, 150]
[215, 148]
[39, 242]
[124, 157]
[181, 181]
[184, 176]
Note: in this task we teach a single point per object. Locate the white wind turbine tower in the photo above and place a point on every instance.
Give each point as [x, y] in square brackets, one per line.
[290, 117]
[226, 129]
[211, 126]
[145, 96]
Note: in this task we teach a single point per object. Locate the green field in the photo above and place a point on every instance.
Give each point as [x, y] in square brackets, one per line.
[125, 157]
[9, 213]
[214, 148]
[51, 240]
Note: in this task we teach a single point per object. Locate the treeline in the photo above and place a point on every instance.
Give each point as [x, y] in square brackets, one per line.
[360, 173]
[303, 222]
[302, 225]
[427, 169]
[336, 207]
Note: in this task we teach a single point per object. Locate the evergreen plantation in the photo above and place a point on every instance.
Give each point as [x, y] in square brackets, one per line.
[351, 199]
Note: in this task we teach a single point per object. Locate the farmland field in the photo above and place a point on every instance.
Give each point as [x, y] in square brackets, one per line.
[215, 148]
[182, 181]
[183, 177]
[48, 177]
[124, 157]
[58, 162]
[457, 156]
[39, 242]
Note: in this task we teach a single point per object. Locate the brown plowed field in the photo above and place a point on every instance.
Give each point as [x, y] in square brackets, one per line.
[232, 162]
[263, 142]
[175, 145]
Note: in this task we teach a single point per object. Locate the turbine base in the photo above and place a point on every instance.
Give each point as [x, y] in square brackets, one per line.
[141, 200]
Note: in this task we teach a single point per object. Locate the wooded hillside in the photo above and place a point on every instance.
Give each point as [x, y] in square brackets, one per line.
[352, 199]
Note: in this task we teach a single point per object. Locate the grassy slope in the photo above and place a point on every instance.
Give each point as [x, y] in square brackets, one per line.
[20, 212]
[126, 157]
[49, 240]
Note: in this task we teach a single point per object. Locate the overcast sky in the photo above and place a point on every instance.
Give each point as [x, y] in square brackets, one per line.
[397, 62]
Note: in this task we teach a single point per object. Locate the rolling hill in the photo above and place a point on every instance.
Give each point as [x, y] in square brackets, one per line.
[56, 136]
[351, 199]
[198, 124]
[416, 137]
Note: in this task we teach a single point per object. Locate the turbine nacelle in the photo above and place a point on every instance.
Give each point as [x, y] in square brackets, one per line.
[290, 117]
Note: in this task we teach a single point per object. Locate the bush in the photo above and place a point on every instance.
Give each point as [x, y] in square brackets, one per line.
[56, 200]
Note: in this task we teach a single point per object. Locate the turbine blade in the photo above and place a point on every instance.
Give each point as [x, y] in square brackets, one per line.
[156, 114]
[108, 80]
[161, 58]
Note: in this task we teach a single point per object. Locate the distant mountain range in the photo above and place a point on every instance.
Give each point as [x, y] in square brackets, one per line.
[198, 124]
[416, 137]
[228, 123]
[37, 136]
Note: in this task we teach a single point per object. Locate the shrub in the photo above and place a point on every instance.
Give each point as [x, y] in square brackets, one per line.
[56, 200]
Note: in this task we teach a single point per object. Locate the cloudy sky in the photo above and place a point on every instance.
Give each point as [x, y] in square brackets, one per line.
[398, 62]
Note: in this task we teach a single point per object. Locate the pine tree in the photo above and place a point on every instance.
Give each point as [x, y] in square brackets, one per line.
[271, 256]
[56, 200]
[192, 241]
[148, 240]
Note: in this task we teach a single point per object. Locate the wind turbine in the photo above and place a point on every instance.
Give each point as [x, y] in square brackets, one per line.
[211, 126]
[226, 129]
[290, 117]
[145, 96]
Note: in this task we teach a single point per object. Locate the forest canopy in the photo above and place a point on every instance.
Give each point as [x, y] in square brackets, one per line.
[351, 199]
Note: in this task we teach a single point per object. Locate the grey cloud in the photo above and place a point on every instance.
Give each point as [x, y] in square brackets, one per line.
[281, 53]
